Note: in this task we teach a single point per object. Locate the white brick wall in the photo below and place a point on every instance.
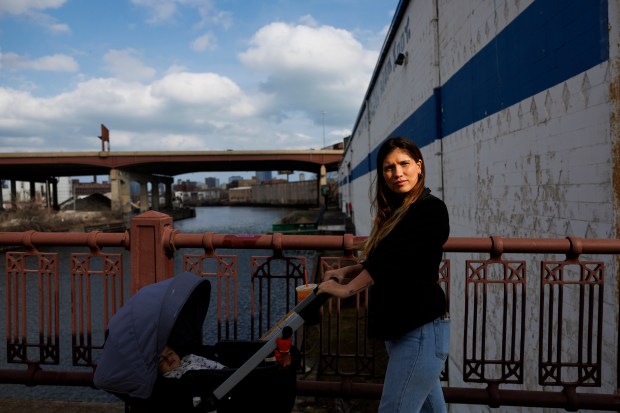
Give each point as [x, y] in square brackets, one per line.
[525, 176]
[543, 167]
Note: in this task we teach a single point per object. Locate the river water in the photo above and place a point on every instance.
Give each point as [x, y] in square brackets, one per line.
[221, 219]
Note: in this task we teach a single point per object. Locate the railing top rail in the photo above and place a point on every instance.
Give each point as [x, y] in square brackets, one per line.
[93, 239]
[494, 245]
[499, 245]
[153, 241]
[275, 241]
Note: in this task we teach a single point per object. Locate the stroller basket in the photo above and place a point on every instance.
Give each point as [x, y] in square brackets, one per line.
[171, 314]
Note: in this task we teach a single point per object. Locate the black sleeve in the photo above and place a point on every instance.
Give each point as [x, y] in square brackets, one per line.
[414, 246]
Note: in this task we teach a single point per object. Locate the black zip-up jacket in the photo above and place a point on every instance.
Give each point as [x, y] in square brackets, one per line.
[404, 267]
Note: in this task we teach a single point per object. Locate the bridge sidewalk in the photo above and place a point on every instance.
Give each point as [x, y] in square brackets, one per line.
[53, 406]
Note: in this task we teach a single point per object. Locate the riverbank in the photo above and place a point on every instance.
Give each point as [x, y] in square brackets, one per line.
[314, 221]
[39, 219]
[298, 221]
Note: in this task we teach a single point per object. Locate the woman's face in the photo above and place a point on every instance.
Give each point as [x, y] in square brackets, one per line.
[401, 171]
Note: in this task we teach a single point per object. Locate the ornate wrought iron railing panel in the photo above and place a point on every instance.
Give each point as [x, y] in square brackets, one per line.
[32, 303]
[486, 309]
[95, 273]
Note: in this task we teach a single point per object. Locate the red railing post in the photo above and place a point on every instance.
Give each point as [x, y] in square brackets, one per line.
[150, 261]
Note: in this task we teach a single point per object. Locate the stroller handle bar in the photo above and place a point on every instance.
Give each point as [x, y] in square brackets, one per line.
[308, 309]
[306, 312]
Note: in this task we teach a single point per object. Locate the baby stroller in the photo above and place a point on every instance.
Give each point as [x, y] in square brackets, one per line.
[171, 313]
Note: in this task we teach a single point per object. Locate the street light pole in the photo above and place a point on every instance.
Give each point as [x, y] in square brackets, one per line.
[323, 115]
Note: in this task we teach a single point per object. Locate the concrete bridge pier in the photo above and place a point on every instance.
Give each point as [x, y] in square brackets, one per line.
[155, 196]
[13, 194]
[322, 187]
[144, 196]
[169, 194]
[33, 192]
[50, 191]
[120, 183]
[51, 194]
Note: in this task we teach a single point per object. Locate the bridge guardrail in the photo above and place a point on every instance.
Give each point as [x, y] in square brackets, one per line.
[499, 302]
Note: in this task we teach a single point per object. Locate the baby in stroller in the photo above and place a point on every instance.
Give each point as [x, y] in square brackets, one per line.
[155, 361]
[172, 366]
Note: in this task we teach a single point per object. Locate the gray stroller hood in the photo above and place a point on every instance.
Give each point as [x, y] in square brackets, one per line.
[141, 329]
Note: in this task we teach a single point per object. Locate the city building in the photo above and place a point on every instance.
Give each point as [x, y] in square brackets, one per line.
[240, 195]
[82, 189]
[263, 176]
[212, 182]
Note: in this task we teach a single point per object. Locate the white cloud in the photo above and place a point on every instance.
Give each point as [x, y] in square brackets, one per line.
[175, 69]
[205, 42]
[280, 47]
[159, 10]
[311, 69]
[210, 15]
[52, 63]
[173, 142]
[308, 20]
[196, 88]
[17, 7]
[186, 108]
[339, 133]
[59, 28]
[164, 11]
[305, 70]
[126, 65]
[48, 22]
[32, 10]
[57, 62]
[109, 96]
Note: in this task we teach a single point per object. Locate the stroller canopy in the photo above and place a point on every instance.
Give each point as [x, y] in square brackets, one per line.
[154, 317]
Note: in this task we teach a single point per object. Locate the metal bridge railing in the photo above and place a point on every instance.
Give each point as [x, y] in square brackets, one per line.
[535, 321]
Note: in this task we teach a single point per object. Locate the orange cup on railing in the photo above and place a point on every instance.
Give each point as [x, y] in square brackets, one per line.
[304, 290]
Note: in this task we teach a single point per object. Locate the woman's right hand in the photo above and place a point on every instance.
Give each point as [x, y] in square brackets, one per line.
[337, 274]
[360, 282]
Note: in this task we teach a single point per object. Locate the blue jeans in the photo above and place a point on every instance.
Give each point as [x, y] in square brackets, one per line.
[415, 362]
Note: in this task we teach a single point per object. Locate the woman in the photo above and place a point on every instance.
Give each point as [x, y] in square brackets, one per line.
[407, 308]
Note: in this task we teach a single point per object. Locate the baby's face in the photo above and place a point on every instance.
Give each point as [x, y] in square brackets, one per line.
[168, 360]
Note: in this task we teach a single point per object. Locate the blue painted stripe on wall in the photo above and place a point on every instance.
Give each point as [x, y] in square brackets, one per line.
[417, 125]
[551, 41]
[548, 43]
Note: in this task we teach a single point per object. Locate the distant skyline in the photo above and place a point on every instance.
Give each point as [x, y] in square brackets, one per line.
[185, 74]
[224, 177]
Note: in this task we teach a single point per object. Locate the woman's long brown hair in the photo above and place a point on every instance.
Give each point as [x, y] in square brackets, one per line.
[389, 207]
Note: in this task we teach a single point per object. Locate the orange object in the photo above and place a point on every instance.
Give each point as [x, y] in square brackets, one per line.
[282, 353]
[304, 290]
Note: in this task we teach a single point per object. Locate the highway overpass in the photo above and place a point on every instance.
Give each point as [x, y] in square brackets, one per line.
[157, 167]
[42, 166]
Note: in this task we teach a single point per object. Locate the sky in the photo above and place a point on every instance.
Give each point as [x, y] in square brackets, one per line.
[182, 75]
